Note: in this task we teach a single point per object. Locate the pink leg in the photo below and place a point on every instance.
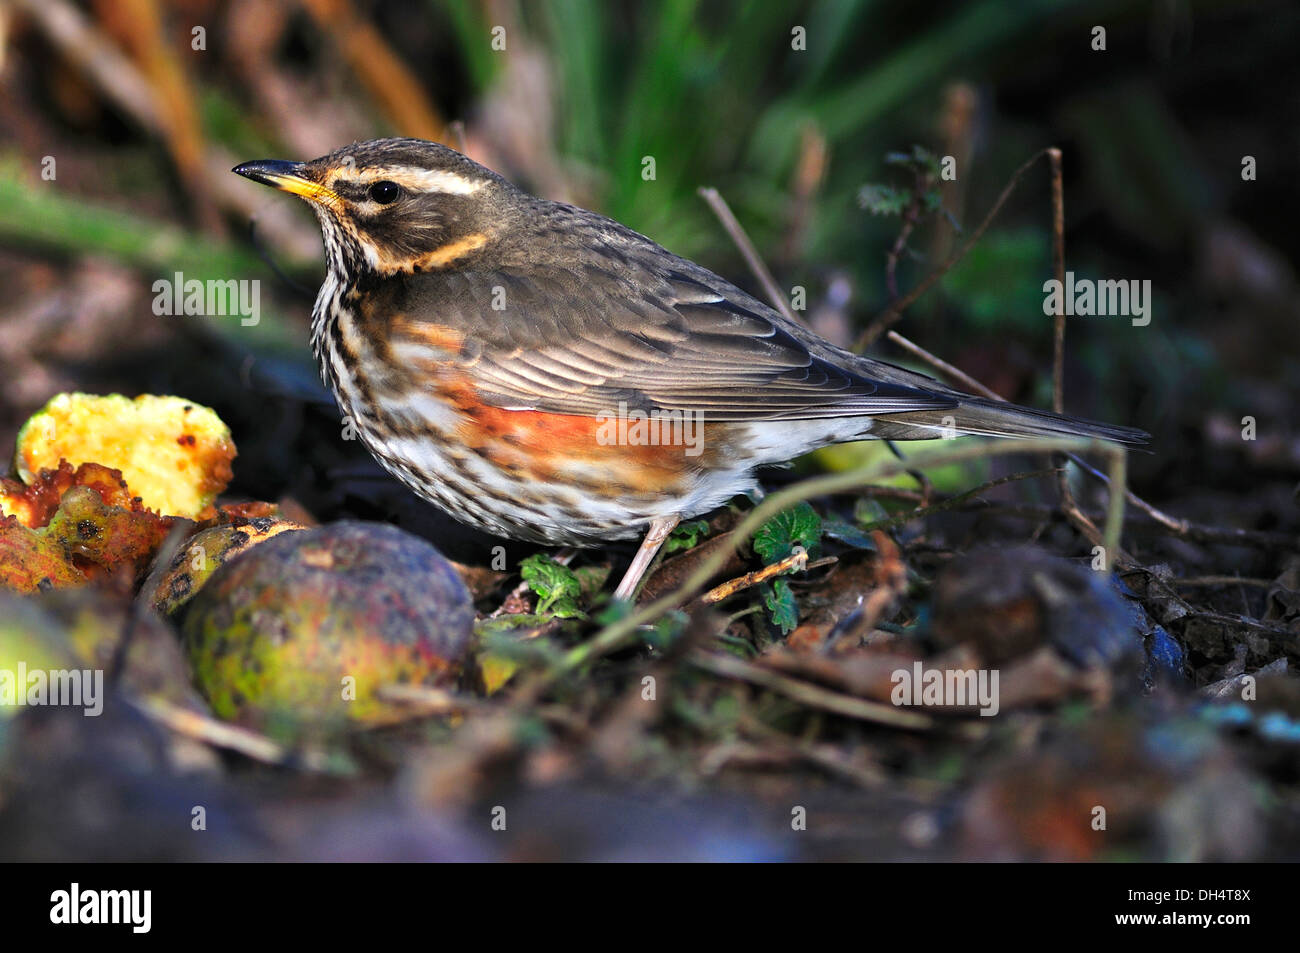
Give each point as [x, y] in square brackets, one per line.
[654, 538]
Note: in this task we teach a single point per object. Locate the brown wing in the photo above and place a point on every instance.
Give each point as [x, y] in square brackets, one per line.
[615, 318]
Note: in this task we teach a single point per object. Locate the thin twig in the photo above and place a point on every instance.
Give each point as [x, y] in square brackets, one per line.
[210, 731]
[430, 701]
[810, 694]
[1069, 505]
[1058, 269]
[911, 216]
[893, 493]
[1180, 526]
[881, 322]
[1227, 618]
[1224, 581]
[747, 249]
[948, 370]
[795, 562]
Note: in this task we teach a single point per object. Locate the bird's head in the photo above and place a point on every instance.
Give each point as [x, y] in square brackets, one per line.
[394, 205]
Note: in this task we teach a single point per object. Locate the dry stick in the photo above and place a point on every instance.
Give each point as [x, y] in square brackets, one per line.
[809, 694]
[1069, 506]
[795, 562]
[747, 249]
[202, 728]
[1058, 270]
[893, 493]
[1227, 618]
[1181, 527]
[1225, 581]
[430, 700]
[910, 217]
[621, 633]
[881, 322]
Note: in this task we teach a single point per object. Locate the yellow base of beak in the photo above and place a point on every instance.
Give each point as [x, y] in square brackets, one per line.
[287, 177]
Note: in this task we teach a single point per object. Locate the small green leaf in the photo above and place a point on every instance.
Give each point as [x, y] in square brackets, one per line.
[686, 536]
[556, 586]
[781, 605]
[798, 526]
[881, 199]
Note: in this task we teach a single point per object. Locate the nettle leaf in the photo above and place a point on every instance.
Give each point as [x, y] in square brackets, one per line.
[556, 586]
[686, 536]
[798, 526]
[781, 604]
[548, 578]
[880, 199]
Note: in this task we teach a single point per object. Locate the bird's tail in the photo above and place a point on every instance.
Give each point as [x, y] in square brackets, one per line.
[989, 418]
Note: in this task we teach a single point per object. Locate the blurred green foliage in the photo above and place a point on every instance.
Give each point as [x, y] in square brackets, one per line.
[718, 95]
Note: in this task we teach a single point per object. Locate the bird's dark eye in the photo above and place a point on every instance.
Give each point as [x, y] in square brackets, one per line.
[385, 193]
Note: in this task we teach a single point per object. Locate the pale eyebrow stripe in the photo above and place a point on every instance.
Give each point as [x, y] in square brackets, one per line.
[417, 180]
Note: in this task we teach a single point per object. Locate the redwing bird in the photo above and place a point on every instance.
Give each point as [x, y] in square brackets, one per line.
[487, 345]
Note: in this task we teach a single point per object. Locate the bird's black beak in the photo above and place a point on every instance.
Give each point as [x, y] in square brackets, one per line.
[286, 176]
